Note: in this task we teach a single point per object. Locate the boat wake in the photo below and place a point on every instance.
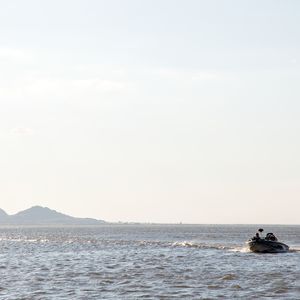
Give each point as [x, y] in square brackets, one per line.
[295, 249]
[201, 245]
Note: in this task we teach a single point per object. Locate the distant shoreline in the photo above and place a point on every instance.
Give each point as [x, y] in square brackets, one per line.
[140, 224]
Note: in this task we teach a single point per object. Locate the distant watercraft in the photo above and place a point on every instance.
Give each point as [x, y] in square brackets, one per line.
[268, 244]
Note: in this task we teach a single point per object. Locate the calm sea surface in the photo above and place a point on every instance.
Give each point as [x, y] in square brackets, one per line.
[145, 262]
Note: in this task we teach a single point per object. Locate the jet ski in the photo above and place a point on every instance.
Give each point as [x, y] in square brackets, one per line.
[267, 244]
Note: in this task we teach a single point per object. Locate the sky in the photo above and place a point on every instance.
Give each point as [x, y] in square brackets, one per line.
[151, 111]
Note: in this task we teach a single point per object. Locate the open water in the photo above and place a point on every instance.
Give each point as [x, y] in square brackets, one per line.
[145, 262]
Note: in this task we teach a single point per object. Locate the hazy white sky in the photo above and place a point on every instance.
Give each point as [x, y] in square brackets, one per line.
[156, 111]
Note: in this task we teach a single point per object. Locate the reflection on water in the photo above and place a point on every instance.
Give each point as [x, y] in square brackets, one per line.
[151, 262]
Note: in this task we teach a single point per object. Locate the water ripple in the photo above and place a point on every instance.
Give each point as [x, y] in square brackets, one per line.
[142, 262]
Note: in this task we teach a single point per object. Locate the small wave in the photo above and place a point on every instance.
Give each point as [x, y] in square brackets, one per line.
[151, 243]
[229, 277]
[22, 240]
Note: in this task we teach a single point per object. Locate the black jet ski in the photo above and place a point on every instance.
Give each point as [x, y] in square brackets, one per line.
[267, 244]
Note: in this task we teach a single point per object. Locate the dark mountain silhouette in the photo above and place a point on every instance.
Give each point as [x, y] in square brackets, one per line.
[38, 215]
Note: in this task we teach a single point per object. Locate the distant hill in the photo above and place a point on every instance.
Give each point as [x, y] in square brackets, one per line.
[3, 215]
[38, 215]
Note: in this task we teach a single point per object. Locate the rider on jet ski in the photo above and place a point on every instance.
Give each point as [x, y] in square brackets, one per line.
[269, 237]
[257, 237]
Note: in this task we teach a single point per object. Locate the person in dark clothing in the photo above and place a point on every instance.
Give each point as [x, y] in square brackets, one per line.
[271, 237]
